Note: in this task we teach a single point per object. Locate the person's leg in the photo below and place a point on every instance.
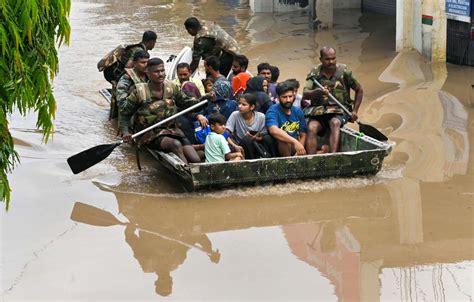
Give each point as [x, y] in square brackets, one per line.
[169, 144]
[285, 149]
[249, 149]
[312, 136]
[191, 155]
[185, 123]
[335, 134]
[270, 144]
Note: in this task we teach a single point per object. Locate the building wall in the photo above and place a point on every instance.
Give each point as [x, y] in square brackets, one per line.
[269, 6]
[412, 33]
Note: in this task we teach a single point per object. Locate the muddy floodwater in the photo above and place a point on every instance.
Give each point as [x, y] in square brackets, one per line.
[119, 234]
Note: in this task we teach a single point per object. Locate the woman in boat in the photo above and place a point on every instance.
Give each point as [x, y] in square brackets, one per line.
[247, 128]
[256, 86]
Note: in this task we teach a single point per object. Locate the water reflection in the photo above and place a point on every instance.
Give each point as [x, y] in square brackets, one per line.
[350, 242]
[354, 254]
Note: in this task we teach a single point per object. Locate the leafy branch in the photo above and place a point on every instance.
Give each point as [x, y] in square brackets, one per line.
[30, 31]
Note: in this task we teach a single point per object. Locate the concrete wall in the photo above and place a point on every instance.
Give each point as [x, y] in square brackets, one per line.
[347, 4]
[430, 40]
[270, 6]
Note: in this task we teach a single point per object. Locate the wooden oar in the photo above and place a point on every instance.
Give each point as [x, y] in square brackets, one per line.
[87, 158]
[91, 215]
[364, 128]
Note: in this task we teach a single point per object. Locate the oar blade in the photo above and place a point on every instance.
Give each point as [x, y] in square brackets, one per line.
[372, 132]
[87, 158]
[91, 215]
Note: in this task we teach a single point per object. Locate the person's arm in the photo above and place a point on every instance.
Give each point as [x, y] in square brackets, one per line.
[302, 140]
[359, 94]
[126, 109]
[201, 46]
[181, 99]
[282, 136]
[123, 88]
[233, 156]
[234, 146]
[194, 64]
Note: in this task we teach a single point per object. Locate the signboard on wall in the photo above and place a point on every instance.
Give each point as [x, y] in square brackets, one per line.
[459, 10]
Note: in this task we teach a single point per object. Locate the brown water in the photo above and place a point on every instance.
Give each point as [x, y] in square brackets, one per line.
[405, 234]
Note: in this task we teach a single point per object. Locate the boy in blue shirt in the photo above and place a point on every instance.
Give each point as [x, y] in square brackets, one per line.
[286, 123]
[216, 147]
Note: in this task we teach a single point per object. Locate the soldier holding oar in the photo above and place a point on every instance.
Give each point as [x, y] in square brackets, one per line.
[323, 113]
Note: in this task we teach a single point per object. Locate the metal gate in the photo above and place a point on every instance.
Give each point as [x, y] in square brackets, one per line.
[387, 7]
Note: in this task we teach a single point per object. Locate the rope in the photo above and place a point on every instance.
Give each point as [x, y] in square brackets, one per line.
[359, 135]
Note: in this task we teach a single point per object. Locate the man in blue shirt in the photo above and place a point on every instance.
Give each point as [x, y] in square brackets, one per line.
[286, 123]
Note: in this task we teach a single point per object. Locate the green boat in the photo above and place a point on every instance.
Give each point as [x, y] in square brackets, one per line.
[359, 155]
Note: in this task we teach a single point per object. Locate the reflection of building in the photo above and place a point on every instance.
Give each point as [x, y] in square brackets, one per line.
[332, 250]
[352, 253]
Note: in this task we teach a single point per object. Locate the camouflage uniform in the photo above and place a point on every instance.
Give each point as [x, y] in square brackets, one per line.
[140, 110]
[338, 85]
[212, 40]
[113, 64]
[126, 82]
[132, 49]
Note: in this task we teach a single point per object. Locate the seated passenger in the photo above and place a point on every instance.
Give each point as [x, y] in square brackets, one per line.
[240, 75]
[211, 65]
[219, 102]
[273, 81]
[247, 128]
[256, 86]
[299, 102]
[152, 102]
[183, 72]
[286, 123]
[207, 83]
[216, 147]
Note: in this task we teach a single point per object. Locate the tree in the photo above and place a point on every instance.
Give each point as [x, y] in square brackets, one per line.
[30, 30]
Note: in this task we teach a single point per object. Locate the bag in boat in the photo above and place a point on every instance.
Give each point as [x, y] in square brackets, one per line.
[200, 133]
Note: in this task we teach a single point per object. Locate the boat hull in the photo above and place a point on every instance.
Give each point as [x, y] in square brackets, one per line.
[358, 156]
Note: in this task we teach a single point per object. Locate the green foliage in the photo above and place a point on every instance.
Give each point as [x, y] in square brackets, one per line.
[30, 30]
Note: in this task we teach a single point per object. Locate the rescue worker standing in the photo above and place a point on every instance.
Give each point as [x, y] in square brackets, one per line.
[323, 113]
[211, 40]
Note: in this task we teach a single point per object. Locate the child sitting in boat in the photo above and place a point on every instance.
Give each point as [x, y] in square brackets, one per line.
[216, 148]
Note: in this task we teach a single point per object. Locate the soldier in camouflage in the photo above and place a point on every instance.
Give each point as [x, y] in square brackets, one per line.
[132, 76]
[148, 43]
[211, 40]
[152, 102]
[114, 63]
[324, 114]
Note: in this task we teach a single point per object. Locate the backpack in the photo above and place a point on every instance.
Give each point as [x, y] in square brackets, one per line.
[201, 133]
[113, 63]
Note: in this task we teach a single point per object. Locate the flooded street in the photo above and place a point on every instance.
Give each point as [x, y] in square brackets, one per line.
[116, 233]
